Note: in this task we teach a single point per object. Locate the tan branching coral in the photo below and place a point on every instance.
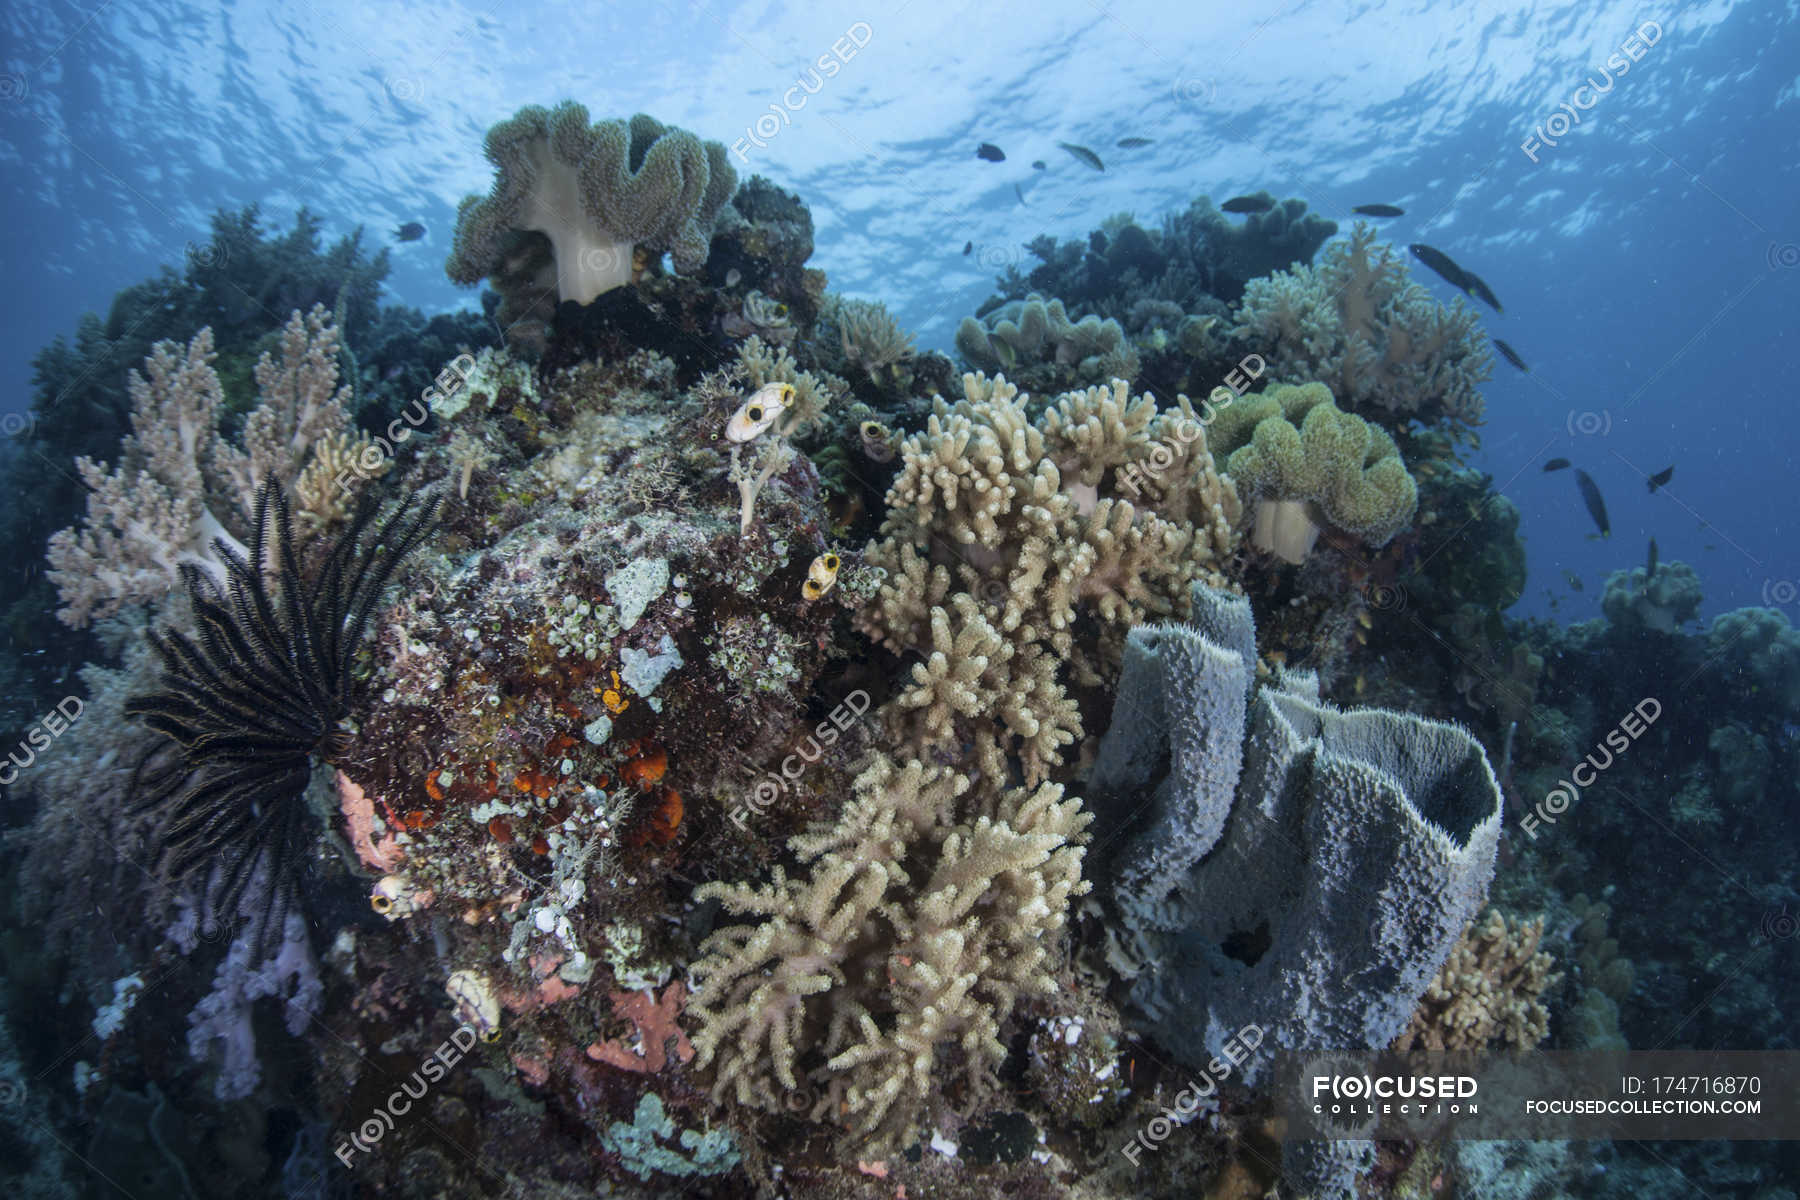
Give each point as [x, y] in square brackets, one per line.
[178, 484]
[1001, 532]
[1358, 323]
[320, 497]
[1488, 992]
[868, 335]
[874, 991]
[300, 407]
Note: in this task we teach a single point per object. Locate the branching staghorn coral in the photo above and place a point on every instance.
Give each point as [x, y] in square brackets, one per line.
[1002, 532]
[1358, 323]
[178, 485]
[923, 919]
[597, 193]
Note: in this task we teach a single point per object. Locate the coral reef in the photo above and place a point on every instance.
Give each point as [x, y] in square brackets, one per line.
[1632, 603]
[242, 281]
[1226, 254]
[593, 196]
[699, 814]
[1759, 650]
[242, 708]
[179, 485]
[1358, 324]
[917, 928]
[1488, 992]
[1006, 537]
[1308, 465]
[1249, 890]
[1036, 343]
[867, 339]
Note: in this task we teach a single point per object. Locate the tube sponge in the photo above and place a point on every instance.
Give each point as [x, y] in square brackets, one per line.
[1335, 465]
[597, 192]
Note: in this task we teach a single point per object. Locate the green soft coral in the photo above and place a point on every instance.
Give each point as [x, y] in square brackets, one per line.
[597, 193]
[1333, 468]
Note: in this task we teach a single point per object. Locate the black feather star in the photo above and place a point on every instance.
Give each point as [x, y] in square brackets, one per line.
[248, 701]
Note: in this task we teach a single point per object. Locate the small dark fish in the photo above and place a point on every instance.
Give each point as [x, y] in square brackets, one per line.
[967, 246]
[1083, 154]
[1482, 291]
[1512, 356]
[412, 231]
[1133, 143]
[1379, 210]
[1661, 477]
[1019, 192]
[1037, 164]
[1260, 203]
[1557, 464]
[1650, 573]
[1440, 262]
[990, 152]
[1596, 506]
[1574, 581]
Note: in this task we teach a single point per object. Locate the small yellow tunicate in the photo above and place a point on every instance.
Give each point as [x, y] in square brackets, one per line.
[821, 576]
[759, 412]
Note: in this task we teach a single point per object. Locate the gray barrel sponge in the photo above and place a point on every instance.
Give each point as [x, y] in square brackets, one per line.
[1178, 719]
[1310, 884]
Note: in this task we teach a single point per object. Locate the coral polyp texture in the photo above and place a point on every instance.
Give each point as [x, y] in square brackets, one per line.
[1306, 465]
[925, 916]
[179, 484]
[596, 193]
[1019, 553]
[1359, 324]
[1035, 342]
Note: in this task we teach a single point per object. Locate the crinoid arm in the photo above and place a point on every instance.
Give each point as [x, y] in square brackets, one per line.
[252, 694]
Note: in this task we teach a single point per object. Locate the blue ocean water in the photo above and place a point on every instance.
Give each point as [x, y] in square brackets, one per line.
[1646, 261]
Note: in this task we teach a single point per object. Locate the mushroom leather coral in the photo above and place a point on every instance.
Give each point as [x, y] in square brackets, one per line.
[597, 192]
